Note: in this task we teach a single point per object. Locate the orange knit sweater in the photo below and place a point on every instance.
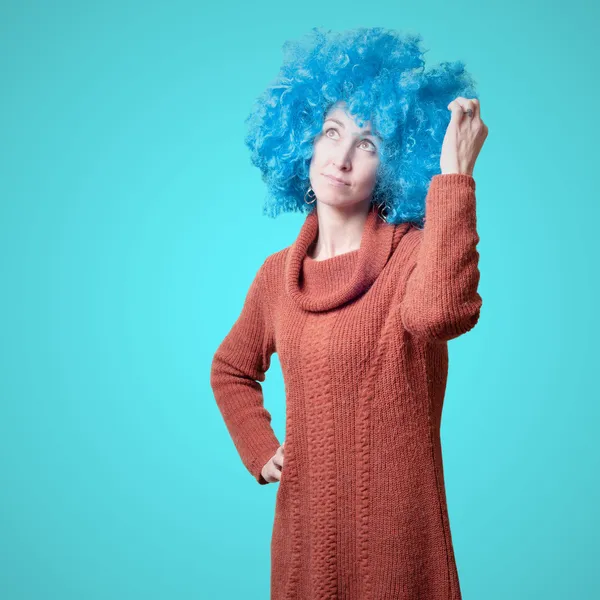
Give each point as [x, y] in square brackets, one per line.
[361, 337]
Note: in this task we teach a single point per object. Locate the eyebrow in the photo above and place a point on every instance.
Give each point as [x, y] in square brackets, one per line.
[365, 132]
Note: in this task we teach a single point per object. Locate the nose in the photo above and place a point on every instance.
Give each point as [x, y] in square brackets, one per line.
[342, 158]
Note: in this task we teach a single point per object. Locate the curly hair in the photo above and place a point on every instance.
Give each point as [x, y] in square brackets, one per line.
[379, 73]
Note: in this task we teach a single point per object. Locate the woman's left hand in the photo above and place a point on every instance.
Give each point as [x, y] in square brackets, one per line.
[464, 137]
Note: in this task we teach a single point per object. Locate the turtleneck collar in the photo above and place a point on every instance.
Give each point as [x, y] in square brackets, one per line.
[320, 285]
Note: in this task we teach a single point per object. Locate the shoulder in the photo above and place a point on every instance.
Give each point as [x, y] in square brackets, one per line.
[408, 243]
[413, 236]
[274, 265]
[271, 272]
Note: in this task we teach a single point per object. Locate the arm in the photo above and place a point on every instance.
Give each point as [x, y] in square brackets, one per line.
[238, 366]
[441, 300]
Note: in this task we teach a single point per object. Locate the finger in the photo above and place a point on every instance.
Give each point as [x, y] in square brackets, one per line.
[460, 106]
[457, 111]
[469, 106]
[270, 474]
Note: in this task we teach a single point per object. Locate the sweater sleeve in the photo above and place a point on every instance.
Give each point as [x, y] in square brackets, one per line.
[239, 365]
[441, 301]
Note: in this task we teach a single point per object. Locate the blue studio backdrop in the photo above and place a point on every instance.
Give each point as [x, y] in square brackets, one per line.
[131, 227]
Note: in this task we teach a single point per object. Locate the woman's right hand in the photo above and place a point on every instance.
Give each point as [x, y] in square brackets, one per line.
[272, 470]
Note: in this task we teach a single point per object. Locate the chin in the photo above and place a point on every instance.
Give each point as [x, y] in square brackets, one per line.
[337, 201]
[332, 195]
[332, 199]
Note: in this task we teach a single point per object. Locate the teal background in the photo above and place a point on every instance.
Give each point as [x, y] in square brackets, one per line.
[131, 228]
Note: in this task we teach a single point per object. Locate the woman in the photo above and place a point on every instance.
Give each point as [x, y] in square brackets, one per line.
[384, 272]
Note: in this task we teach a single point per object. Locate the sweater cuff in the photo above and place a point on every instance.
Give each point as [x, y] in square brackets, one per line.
[445, 180]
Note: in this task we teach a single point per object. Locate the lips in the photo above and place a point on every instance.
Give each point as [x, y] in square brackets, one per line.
[336, 179]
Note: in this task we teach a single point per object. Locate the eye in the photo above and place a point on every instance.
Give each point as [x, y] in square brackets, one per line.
[368, 142]
[371, 144]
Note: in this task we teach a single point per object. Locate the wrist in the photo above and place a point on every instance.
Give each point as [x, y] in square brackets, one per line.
[459, 172]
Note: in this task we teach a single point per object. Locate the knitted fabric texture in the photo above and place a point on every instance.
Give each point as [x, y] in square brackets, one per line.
[360, 510]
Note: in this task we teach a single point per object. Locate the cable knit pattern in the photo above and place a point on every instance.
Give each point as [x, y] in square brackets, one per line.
[361, 509]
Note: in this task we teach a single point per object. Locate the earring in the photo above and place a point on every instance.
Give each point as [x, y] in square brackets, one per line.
[380, 211]
[314, 196]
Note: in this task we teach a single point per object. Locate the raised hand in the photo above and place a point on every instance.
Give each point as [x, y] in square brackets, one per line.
[464, 137]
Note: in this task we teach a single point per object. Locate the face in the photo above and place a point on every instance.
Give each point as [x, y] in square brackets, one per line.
[345, 151]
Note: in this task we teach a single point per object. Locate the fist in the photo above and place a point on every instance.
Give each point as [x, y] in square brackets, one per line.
[464, 137]
[272, 470]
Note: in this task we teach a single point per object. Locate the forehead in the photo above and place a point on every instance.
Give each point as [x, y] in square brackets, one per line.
[339, 113]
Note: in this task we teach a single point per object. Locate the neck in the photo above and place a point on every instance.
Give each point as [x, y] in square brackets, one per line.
[340, 230]
[345, 276]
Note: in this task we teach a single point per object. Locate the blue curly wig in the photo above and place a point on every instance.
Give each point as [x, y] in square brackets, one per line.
[379, 74]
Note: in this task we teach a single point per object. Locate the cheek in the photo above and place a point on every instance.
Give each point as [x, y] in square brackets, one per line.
[319, 152]
[368, 175]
